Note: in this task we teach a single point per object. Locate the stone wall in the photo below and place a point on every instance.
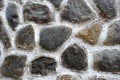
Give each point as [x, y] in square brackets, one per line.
[59, 40]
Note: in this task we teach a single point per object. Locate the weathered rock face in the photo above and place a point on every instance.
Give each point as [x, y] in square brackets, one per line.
[107, 8]
[56, 3]
[113, 35]
[13, 66]
[25, 38]
[90, 34]
[107, 61]
[68, 77]
[37, 13]
[12, 15]
[43, 65]
[4, 36]
[1, 4]
[74, 57]
[53, 37]
[77, 11]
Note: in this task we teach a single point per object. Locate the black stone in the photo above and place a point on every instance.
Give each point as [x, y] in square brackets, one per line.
[13, 66]
[12, 15]
[107, 61]
[107, 8]
[53, 37]
[74, 58]
[56, 3]
[4, 36]
[37, 13]
[113, 34]
[25, 38]
[77, 11]
[43, 65]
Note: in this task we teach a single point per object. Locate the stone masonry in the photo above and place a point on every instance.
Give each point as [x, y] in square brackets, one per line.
[59, 39]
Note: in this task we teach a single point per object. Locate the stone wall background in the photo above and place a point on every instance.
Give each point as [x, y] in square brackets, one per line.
[38, 51]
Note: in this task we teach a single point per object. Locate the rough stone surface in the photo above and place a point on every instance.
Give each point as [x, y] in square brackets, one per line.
[76, 11]
[1, 4]
[107, 61]
[74, 57]
[13, 66]
[68, 77]
[90, 34]
[96, 78]
[107, 8]
[43, 65]
[4, 36]
[12, 15]
[56, 3]
[25, 38]
[53, 37]
[37, 13]
[113, 35]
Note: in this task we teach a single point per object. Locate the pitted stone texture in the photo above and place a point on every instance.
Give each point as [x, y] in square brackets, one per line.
[77, 11]
[1, 4]
[25, 38]
[4, 36]
[56, 3]
[107, 61]
[107, 8]
[96, 78]
[13, 66]
[53, 37]
[43, 65]
[37, 13]
[68, 77]
[90, 34]
[113, 34]
[12, 15]
[74, 58]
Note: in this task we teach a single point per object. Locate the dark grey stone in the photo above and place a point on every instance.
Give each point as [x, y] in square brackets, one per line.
[53, 37]
[13, 66]
[25, 38]
[74, 57]
[56, 3]
[107, 8]
[113, 34]
[43, 65]
[37, 13]
[4, 36]
[1, 4]
[12, 15]
[107, 61]
[77, 11]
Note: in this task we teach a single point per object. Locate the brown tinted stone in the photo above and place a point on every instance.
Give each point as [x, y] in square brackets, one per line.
[68, 77]
[91, 34]
[13, 66]
[12, 15]
[4, 36]
[107, 8]
[77, 11]
[37, 13]
[107, 61]
[74, 57]
[43, 65]
[1, 4]
[56, 3]
[25, 38]
[113, 35]
[53, 37]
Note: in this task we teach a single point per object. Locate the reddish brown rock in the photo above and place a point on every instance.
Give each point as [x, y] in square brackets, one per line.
[113, 34]
[13, 66]
[25, 38]
[90, 34]
[68, 77]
